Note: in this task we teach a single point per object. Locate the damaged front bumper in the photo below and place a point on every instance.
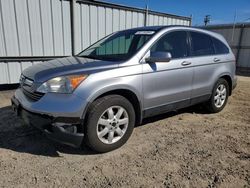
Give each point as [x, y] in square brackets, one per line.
[61, 129]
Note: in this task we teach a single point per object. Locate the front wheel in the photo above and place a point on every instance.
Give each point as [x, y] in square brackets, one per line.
[110, 122]
[219, 96]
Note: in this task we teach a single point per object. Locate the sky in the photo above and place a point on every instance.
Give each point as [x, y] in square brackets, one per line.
[221, 11]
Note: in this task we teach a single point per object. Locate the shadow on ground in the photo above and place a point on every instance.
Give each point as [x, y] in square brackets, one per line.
[19, 137]
[16, 136]
[197, 109]
[243, 72]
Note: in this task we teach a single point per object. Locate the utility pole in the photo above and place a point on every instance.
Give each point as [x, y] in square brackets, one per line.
[146, 16]
[191, 19]
[235, 16]
[207, 19]
[72, 21]
[146, 13]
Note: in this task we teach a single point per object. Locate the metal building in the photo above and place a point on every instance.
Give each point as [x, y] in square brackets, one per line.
[238, 37]
[33, 31]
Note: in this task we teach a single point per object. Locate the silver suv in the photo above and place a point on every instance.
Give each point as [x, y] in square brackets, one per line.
[98, 96]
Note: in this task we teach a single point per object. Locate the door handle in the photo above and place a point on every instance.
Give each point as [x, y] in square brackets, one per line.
[185, 63]
[216, 60]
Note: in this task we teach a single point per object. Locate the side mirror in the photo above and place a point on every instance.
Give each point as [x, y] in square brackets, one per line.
[158, 57]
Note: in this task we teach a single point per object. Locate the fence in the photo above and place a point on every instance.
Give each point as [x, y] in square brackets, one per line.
[32, 31]
[238, 37]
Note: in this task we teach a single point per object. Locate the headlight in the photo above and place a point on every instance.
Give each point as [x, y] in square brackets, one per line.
[63, 84]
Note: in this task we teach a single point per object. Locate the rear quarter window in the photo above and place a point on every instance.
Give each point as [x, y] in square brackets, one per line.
[220, 47]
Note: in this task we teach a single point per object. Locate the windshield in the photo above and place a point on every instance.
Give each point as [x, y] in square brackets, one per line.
[119, 46]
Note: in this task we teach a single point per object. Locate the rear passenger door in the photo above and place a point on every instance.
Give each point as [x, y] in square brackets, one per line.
[205, 63]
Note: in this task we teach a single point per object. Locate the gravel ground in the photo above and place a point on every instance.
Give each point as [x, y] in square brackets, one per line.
[188, 148]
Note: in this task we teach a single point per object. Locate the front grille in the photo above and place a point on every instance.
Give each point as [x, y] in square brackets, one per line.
[29, 89]
[35, 96]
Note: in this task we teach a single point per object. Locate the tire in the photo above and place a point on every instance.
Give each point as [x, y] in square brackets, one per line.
[213, 105]
[100, 121]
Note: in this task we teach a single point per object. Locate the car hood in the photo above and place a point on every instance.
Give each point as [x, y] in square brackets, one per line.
[44, 71]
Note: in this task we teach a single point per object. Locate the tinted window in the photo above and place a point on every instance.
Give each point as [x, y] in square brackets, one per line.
[119, 46]
[220, 47]
[201, 44]
[174, 42]
[142, 41]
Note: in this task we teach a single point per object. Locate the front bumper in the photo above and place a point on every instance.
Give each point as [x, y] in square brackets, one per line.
[60, 129]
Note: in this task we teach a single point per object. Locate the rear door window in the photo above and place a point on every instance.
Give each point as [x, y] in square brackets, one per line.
[201, 44]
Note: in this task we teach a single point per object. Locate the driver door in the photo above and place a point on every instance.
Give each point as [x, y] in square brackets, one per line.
[168, 85]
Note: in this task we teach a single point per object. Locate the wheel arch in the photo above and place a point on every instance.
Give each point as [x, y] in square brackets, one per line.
[130, 95]
[229, 80]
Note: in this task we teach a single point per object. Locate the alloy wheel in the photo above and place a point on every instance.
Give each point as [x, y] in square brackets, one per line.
[112, 124]
[220, 96]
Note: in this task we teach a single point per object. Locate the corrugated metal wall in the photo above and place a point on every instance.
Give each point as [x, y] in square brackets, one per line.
[44, 28]
[35, 28]
[32, 28]
[238, 37]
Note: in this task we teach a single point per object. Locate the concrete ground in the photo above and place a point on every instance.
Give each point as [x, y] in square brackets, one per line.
[5, 97]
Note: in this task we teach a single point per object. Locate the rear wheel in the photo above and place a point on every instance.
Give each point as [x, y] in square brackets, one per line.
[110, 122]
[219, 96]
